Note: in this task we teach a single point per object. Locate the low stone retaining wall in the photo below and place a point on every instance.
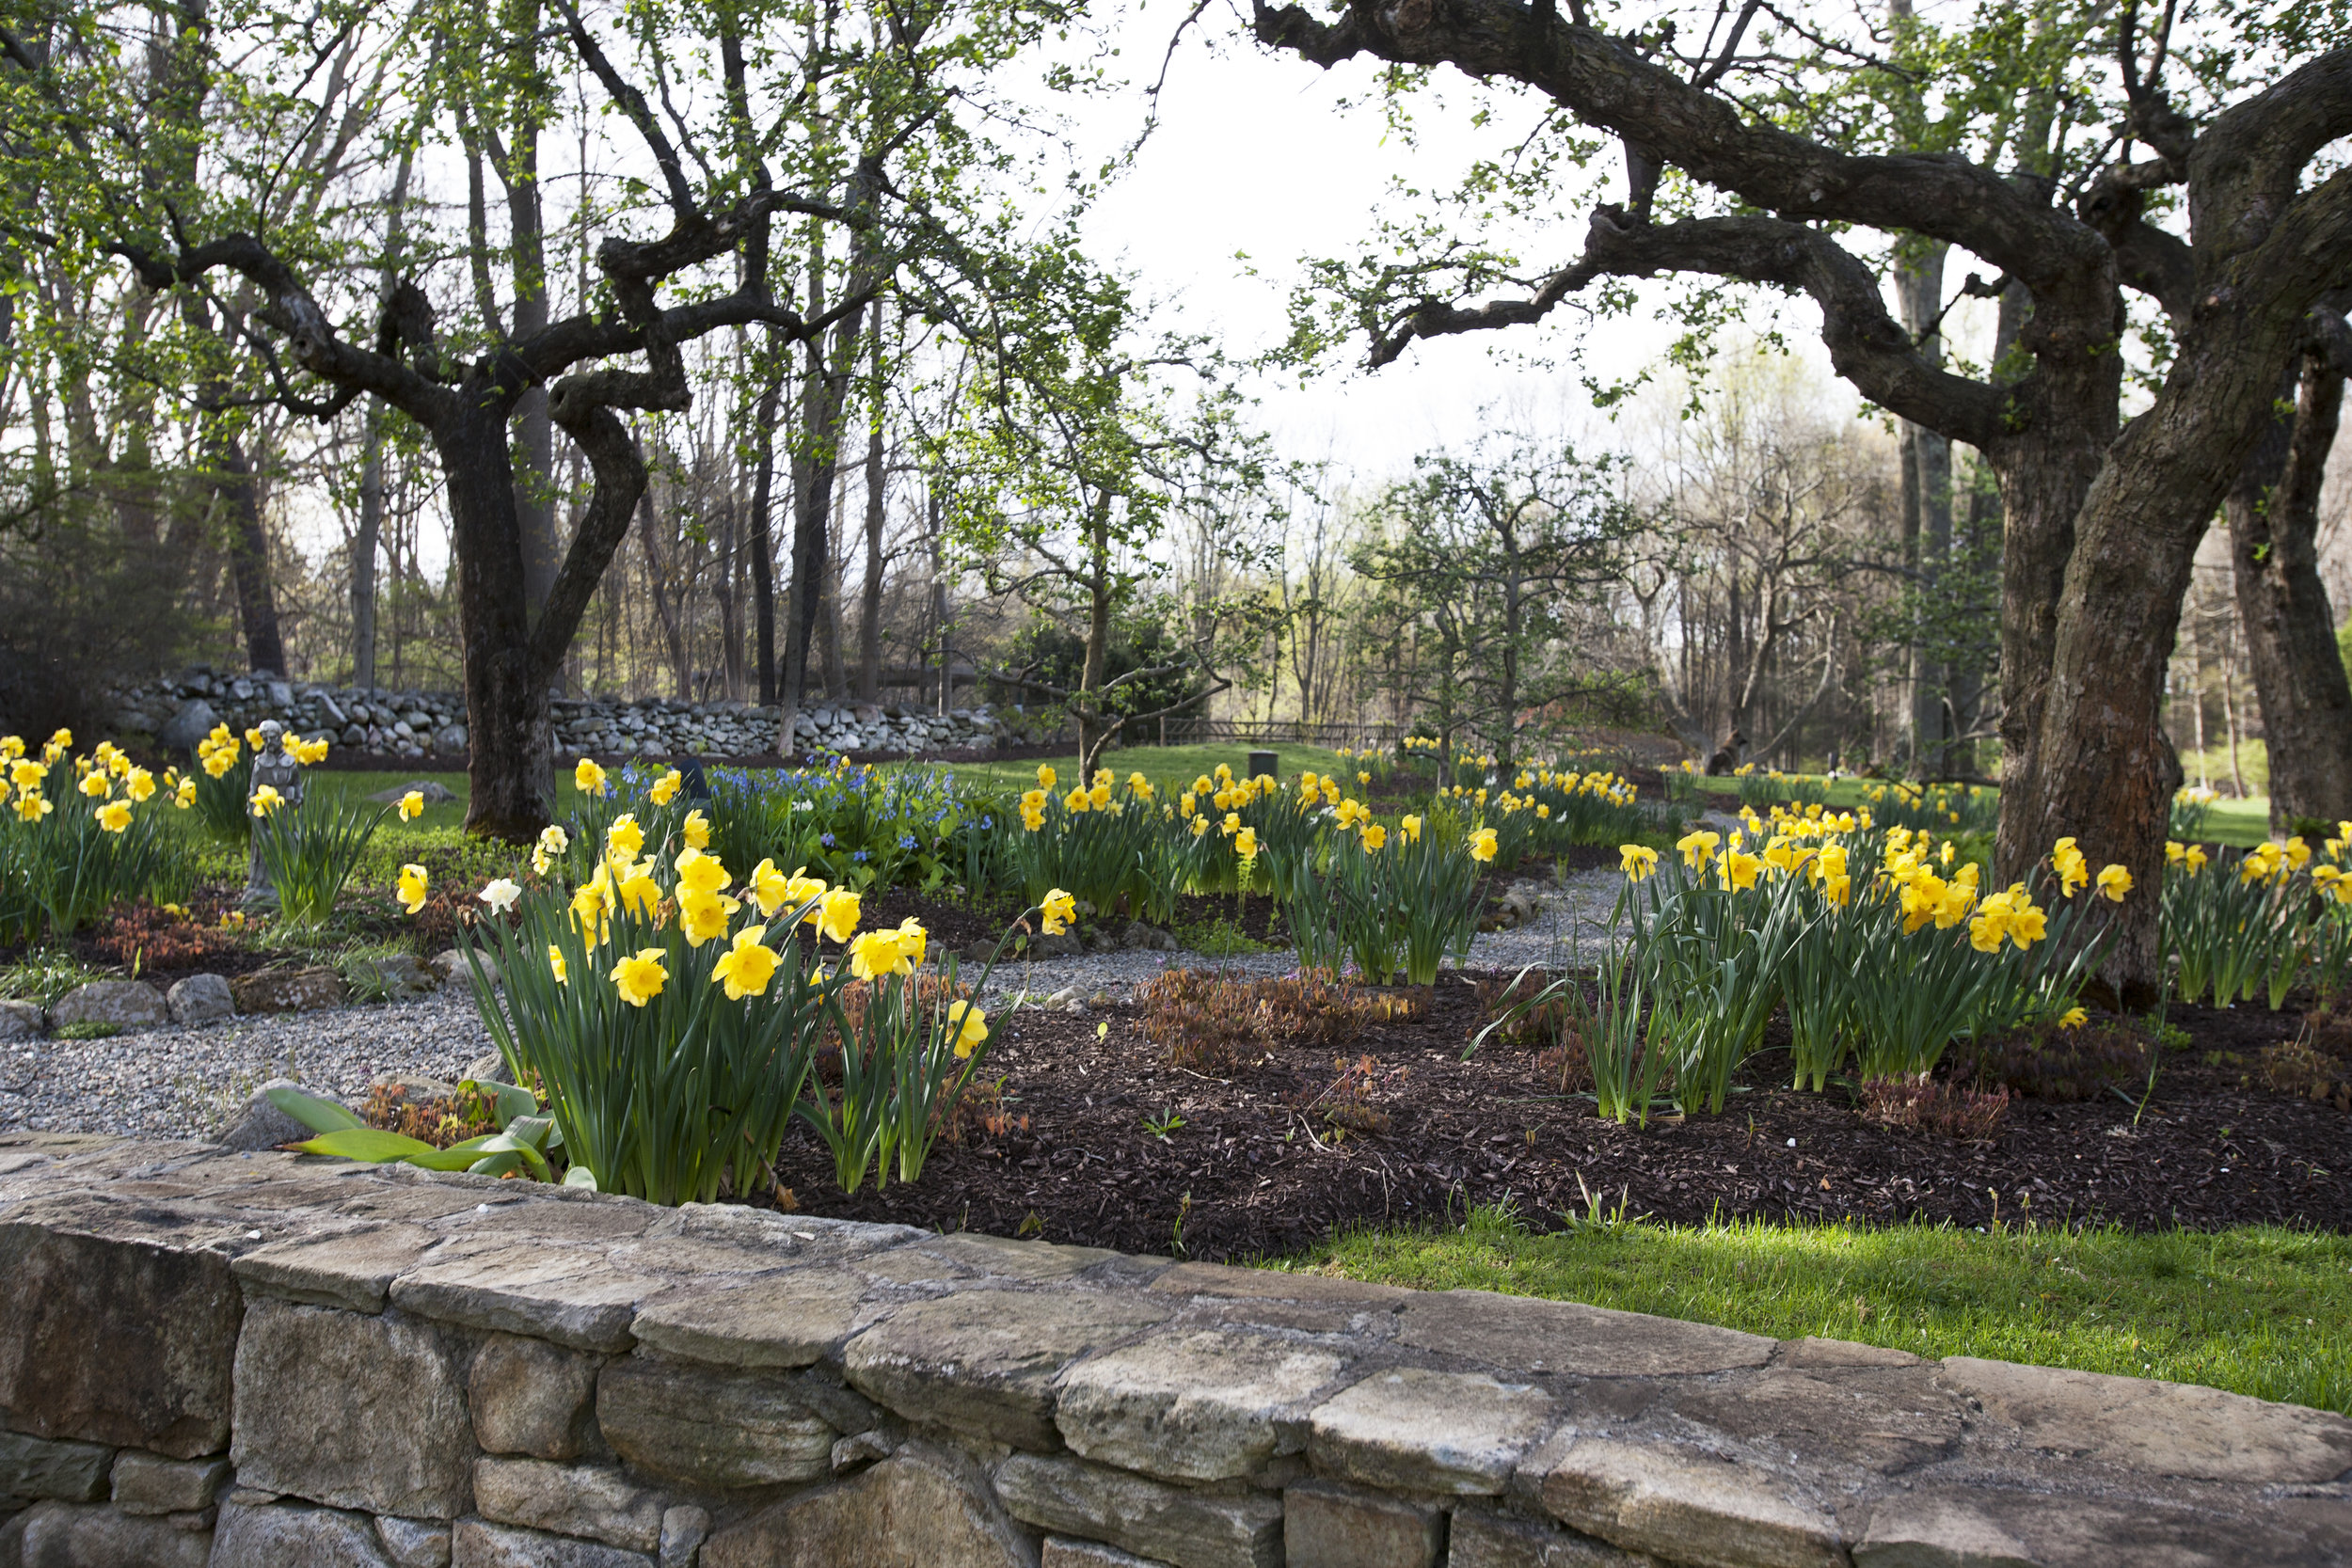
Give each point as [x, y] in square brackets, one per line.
[241, 1360]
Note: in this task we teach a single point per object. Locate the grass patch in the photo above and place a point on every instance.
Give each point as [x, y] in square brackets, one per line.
[44, 975]
[2257, 1310]
[1168, 767]
[1219, 938]
[89, 1029]
[2241, 823]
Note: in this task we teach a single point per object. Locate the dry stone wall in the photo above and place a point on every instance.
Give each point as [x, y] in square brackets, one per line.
[229, 1360]
[177, 710]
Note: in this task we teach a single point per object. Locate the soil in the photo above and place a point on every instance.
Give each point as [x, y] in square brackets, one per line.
[1057, 1145]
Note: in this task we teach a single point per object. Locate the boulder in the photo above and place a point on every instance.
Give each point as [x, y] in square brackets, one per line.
[32, 1469]
[124, 1004]
[262, 1125]
[288, 990]
[396, 977]
[21, 1021]
[450, 964]
[200, 999]
[189, 723]
[450, 738]
[78, 1535]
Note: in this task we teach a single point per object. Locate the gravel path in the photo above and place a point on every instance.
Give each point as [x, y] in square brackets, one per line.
[183, 1083]
[186, 1082]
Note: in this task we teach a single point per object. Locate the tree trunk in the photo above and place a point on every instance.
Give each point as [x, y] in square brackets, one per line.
[2273, 512]
[249, 556]
[870, 605]
[363, 549]
[1092, 733]
[763, 545]
[510, 768]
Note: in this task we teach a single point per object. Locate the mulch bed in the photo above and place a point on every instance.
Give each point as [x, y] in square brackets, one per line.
[1066, 1154]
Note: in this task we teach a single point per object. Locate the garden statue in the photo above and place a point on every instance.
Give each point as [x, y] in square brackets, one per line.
[276, 767]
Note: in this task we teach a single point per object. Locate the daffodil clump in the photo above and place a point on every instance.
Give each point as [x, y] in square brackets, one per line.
[80, 833]
[1884, 945]
[310, 850]
[2258, 922]
[671, 1009]
[1101, 839]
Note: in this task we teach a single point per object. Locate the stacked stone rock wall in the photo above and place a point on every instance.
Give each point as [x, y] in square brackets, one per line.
[229, 1361]
[176, 711]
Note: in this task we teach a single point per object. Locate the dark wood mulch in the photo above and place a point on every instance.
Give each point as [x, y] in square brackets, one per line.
[1254, 1171]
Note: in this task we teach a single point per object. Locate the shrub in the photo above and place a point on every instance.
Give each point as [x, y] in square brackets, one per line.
[163, 936]
[2050, 1061]
[1921, 1103]
[1208, 1024]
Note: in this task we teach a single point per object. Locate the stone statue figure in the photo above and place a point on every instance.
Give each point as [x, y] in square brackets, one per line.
[275, 765]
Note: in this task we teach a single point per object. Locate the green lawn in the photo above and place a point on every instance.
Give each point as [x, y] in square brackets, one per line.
[2260, 1310]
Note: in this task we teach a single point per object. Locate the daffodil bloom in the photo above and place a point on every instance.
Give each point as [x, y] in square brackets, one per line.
[556, 965]
[1483, 844]
[589, 779]
[2073, 1018]
[1698, 847]
[1375, 838]
[624, 837]
[1246, 844]
[1351, 812]
[1638, 859]
[184, 797]
[877, 954]
[1364, 778]
[410, 887]
[500, 895]
[1059, 910]
[114, 815]
[2173, 850]
[2298, 854]
[971, 1026]
[1077, 801]
[838, 913]
[1140, 786]
[1411, 827]
[1045, 777]
[1543, 812]
[639, 979]
[703, 916]
[1309, 783]
[266, 799]
[219, 763]
[552, 838]
[309, 752]
[252, 739]
[766, 886]
[26, 773]
[1330, 792]
[699, 872]
[1740, 870]
[2068, 861]
[11, 745]
[1199, 826]
[592, 907]
[638, 892]
[1202, 785]
[666, 787]
[96, 786]
[2114, 881]
[140, 784]
[747, 965]
[31, 807]
[695, 831]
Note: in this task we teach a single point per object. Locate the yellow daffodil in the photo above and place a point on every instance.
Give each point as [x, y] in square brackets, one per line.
[666, 787]
[1046, 778]
[556, 966]
[747, 965]
[266, 799]
[1100, 797]
[1199, 826]
[2072, 868]
[638, 893]
[219, 763]
[1483, 844]
[639, 979]
[699, 872]
[31, 806]
[1698, 847]
[1739, 870]
[184, 797]
[410, 889]
[1374, 838]
[1246, 844]
[838, 913]
[1060, 910]
[1077, 801]
[703, 916]
[309, 752]
[624, 837]
[96, 786]
[2073, 1018]
[2298, 854]
[1140, 786]
[877, 954]
[1638, 859]
[695, 831]
[1411, 827]
[2114, 881]
[26, 773]
[140, 784]
[971, 1026]
[1543, 812]
[252, 739]
[412, 806]
[767, 885]
[114, 815]
[589, 779]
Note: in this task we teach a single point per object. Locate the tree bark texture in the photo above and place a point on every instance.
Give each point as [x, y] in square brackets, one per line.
[239, 499]
[2273, 512]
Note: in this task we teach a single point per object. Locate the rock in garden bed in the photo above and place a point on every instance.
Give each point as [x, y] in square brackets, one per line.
[1393, 1127]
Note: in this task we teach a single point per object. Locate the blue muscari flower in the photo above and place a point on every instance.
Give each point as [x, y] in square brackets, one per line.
[825, 839]
[860, 856]
[906, 841]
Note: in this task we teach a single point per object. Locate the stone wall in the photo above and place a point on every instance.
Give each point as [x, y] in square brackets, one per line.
[177, 710]
[244, 1360]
